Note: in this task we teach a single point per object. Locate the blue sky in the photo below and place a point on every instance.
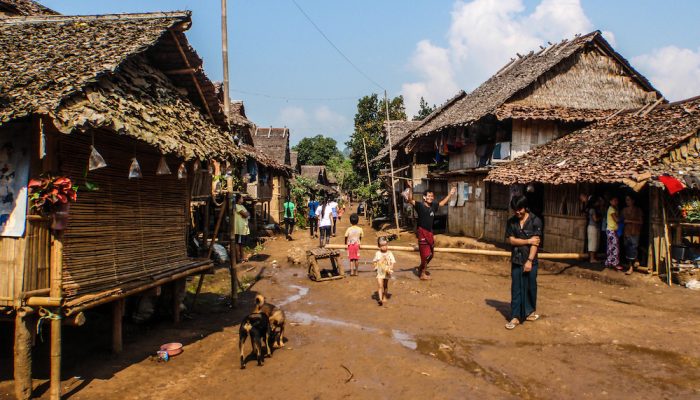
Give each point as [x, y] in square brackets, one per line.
[287, 74]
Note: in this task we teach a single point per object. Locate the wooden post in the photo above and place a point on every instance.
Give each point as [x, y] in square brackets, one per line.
[23, 355]
[56, 292]
[205, 236]
[211, 248]
[224, 53]
[668, 243]
[117, 317]
[233, 251]
[364, 146]
[391, 164]
[176, 299]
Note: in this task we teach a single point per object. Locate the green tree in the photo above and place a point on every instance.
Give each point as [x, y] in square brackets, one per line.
[342, 170]
[316, 150]
[424, 110]
[370, 116]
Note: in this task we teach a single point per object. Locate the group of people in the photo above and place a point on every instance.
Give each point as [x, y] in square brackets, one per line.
[523, 233]
[324, 217]
[621, 229]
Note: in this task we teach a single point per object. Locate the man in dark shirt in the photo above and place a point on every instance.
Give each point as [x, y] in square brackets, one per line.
[426, 216]
[523, 232]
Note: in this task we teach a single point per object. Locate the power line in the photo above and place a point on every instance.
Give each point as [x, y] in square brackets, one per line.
[336, 47]
[269, 96]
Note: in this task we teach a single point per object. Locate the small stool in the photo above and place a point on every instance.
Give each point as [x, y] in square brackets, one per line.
[316, 273]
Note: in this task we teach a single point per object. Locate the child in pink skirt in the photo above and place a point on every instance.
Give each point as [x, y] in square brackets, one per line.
[353, 236]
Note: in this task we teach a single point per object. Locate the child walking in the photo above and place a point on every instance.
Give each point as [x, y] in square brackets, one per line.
[353, 237]
[384, 265]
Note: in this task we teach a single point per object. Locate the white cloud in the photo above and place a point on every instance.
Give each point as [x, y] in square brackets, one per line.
[483, 36]
[674, 71]
[433, 63]
[312, 121]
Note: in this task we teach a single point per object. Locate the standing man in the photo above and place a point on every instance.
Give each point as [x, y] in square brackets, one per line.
[523, 232]
[313, 220]
[633, 217]
[242, 230]
[426, 216]
[289, 217]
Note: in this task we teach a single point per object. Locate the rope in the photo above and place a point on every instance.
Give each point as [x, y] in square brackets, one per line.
[45, 314]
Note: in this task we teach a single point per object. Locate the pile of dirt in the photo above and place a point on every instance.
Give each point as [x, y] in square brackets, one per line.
[296, 256]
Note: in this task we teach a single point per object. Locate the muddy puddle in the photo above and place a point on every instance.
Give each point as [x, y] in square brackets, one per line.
[677, 370]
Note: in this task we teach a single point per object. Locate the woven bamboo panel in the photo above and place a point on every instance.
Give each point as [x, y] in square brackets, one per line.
[129, 231]
[11, 250]
[37, 254]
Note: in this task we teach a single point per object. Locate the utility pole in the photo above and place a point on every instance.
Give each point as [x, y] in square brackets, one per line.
[391, 163]
[224, 53]
[369, 179]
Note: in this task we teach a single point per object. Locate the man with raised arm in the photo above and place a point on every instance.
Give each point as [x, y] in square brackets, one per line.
[426, 216]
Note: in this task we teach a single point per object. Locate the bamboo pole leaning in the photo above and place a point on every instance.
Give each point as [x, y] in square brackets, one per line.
[481, 252]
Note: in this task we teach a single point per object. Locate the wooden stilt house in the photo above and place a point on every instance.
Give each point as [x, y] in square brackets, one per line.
[273, 143]
[623, 155]
[130, 87]
[532, 100]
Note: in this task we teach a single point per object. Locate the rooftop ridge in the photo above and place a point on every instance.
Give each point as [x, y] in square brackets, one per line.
[103, 17]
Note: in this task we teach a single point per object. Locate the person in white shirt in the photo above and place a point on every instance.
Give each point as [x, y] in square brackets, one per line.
[324, 213]
[334, 211]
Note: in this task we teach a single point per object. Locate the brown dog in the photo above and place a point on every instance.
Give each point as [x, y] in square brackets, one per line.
[275, 316]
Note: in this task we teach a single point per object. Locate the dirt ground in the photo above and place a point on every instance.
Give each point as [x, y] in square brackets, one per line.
[602, 335]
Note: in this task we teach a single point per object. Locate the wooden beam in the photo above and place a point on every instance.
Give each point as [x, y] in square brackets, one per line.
[140, 289]
[181, 71]
[44, 301]
[194, 78]
[499, 253]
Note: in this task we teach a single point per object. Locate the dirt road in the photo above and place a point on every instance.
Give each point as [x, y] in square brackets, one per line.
[443, 339]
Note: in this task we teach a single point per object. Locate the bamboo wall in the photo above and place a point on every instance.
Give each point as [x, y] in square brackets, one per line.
[129, 231]
[24, 262]
[468, 220]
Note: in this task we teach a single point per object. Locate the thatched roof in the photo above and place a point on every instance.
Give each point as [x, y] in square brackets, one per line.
[133, 74]
[628, 148]
[535, 87]
[274, 142]
[312, 172]
[238, 116]
[294, 159]
[265, 160]
[14, 8]
[399, 131]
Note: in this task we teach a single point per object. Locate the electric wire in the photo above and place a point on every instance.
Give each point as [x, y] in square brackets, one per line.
[269, 96]
[336, 47]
